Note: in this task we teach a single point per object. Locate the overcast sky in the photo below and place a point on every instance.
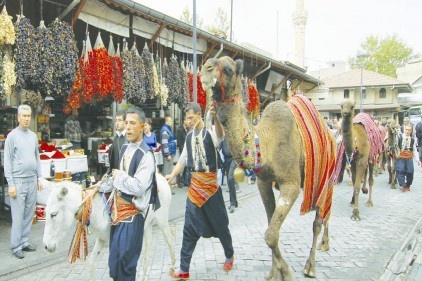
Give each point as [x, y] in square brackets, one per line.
[334, 31]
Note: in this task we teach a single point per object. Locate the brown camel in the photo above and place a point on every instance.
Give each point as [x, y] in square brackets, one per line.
[392, 150]
[361, 150]
[279, 157]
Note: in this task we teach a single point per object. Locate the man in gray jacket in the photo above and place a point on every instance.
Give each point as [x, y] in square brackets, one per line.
[22, 168]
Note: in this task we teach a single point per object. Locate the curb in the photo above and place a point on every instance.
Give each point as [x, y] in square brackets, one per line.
[402, 262]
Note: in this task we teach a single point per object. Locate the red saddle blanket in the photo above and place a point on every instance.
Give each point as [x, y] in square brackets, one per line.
[320, 156]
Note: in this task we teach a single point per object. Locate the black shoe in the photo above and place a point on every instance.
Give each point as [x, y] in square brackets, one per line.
[19, 254]
[29, 248]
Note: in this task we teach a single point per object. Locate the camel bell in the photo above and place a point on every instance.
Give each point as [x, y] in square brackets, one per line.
[239, 174]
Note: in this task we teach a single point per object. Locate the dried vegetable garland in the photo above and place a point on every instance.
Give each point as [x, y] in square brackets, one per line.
[117, 67]
[45, 44]
[2, 95]
[7, 30]
[254, 102]
[139, 94]
[172, 80]
[25, 55]
[147, 64]
[7, 75]
[128, 75]
[201, 95]
[64, 59]
[155, 81]
[183, 99]
[101, 63]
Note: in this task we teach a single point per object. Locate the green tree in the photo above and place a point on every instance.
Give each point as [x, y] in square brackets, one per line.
[382, 55]
[221, 26]
[188, 18]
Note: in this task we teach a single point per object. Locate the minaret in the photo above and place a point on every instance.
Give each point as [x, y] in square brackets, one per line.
[300, 17]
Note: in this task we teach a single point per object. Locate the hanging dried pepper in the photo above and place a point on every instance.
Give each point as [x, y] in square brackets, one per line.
[201, 95]
[104, 72]
[254, 102]
[117, 66]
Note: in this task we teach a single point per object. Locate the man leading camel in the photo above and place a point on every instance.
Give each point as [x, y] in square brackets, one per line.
[206, 215]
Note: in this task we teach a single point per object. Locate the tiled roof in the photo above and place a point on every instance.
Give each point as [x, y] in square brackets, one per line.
[352, 78]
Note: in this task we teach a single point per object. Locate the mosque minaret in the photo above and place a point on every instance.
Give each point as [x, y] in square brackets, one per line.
[300, 17]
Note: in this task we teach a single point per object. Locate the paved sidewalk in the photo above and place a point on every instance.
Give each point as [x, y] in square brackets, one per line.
[385, 245]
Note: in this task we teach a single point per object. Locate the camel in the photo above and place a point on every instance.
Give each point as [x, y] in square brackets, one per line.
[361, 149]
[392, 150]
[274, 149]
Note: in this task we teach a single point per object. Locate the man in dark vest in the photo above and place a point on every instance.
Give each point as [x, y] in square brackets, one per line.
[119, 140]
[206, 215]
[134, 189]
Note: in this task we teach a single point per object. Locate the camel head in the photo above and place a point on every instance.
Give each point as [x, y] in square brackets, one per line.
[347, 108]
[221, 76]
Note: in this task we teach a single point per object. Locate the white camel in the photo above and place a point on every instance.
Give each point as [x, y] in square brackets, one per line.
[65, 201]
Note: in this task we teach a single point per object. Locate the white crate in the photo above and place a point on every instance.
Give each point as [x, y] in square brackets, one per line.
[45, 168]
[77, 164]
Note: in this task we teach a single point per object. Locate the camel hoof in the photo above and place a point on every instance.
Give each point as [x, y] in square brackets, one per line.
[393, 187]
[350, 183]
[323, 247]
[309, 271]
[355, 217]
[171, 271]
[369, 204]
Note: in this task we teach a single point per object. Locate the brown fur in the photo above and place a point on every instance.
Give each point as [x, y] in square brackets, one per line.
[354, 135]
[282, 157]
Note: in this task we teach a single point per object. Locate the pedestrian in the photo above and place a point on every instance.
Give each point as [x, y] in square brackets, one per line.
[418, 131]
[118, 141]
[205, 215]
[168, 147]
[182, 130]
[149, 136]
[229, 166]
[22, 169]
[404, 163]
[406, 122]
[72, 129]
[135, 187]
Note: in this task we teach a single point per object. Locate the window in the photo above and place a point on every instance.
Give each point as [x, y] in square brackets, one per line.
[346, 93]
[383, 93]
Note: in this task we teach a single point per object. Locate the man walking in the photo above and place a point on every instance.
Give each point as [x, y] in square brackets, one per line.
[135, 188]
[418, 131]
[168, 146]
[404, 163]
[22, 168]
[205, 215]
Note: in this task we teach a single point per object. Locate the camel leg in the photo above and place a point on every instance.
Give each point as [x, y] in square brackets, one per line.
[393, 173]
[92, 259]
[277, 213]
[325, 240]
[359, 171]
[364, 188]
[353, 177]
[309, 270]
[371, 184]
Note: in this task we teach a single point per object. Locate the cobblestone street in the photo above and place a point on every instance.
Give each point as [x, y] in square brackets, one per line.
[379, 247]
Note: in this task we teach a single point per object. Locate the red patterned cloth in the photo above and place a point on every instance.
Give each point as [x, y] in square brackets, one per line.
[373, 132]
[203, 186]
[320, 156]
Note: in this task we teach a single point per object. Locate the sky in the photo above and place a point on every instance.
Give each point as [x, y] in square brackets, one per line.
[335, 28]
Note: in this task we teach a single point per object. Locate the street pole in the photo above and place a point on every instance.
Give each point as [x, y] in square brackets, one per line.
[195, 74]
[361, 88]
[231, 22]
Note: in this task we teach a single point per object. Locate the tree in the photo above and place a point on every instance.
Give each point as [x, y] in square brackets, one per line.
[382, 55]
[188, 18]
[221, 25]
